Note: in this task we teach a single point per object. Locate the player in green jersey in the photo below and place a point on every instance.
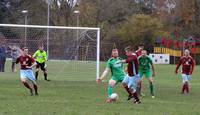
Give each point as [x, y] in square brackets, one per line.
[145, 66]
[117, 73]
[41, 57]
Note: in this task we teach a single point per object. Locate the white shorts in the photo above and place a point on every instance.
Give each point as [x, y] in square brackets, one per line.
[27, 74]
[185, 77]
[131, 81]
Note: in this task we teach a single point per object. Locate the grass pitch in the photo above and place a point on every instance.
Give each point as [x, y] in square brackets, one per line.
[73, 91]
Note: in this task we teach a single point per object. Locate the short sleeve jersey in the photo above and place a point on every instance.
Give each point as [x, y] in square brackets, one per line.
[144, 63]
[25, 61]
[116, 67]
[132, 65]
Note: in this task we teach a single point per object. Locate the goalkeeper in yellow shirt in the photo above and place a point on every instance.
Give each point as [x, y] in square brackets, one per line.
[41, 57]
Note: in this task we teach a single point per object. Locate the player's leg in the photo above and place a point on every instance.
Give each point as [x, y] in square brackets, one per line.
[148, 75]
[0, 63]
[37, 70]
[139, 84]
[134, 83]
[31, 77]
[23, 77]
[111, 85]
[3, 65]
[13, 66]
[151, 86]
[43, 68]
[187, 83]
[185, 86]
[125, 85]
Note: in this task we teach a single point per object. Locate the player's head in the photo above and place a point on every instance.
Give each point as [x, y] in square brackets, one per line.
[186, 52]
[25, 50]
[41, 47]
[144, 53]
[129, 50]
[115, 53]
[141, 46]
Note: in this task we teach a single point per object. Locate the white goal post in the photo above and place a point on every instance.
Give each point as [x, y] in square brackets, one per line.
[74, 31]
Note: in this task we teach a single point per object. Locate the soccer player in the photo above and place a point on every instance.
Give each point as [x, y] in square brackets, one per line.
[188, 64]
[130, 82]
[26, 72]
[145, 66]
[117, 73]
[41, 57]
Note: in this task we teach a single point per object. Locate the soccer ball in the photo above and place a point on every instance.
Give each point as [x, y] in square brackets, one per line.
[114, 96]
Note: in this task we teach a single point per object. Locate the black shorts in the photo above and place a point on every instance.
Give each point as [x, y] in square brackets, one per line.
[41, 66]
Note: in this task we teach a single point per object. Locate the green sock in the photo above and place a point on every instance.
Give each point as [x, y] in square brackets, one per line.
[109, 91]
[151, 88]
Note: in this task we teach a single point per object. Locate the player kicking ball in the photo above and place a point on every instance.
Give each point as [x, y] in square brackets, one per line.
[41, 57]
[117, 73]
[130, 82]
[26, 72]
[145, 66]
[187, 63]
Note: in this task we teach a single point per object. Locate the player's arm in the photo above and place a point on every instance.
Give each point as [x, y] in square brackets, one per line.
[104, 74]
[127, 60]
[153, 70]
[178, 65]
[35, 55]
[152, 67]
[192, 69]
[17, 60]
[33, 63]
[45, 56]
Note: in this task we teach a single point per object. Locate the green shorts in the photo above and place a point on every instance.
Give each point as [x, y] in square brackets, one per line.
[118, 79]
[146, 73]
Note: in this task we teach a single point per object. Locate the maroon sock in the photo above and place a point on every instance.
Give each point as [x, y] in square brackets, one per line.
[127, 90]
[27, 85]
[135, 96]
[187, 87]
[183, 88]
[35, 88]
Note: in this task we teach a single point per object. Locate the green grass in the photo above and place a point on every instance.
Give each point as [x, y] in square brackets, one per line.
[73, 92]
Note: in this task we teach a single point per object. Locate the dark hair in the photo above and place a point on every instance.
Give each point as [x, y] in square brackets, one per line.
[129, 48]
[23, 48]
[141, 44]
[114, 49]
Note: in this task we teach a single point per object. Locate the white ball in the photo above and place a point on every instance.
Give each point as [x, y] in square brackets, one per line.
[114, 96]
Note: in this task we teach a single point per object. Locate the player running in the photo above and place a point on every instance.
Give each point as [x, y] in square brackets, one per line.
[41, 57]
[117, 73]
[26, 72]
[130, 82]
[188, 64]
[145, 66]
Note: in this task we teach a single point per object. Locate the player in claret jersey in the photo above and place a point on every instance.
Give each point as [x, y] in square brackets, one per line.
[26, 72]
[188, 64]
[130, 82]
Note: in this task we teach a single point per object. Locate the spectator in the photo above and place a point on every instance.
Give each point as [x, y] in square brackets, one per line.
[2, 57]
[15, 52]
